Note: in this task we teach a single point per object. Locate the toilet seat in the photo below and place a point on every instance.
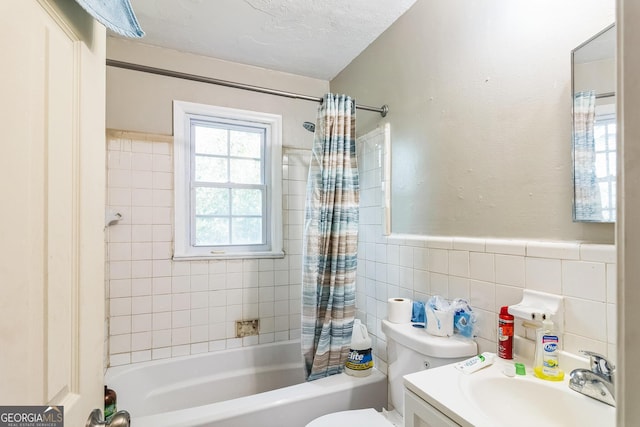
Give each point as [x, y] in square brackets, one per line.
[364, 417]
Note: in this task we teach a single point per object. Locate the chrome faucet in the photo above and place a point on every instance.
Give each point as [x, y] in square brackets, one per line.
[597, 382]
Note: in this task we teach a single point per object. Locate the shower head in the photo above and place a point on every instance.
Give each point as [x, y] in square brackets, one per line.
[309, 126]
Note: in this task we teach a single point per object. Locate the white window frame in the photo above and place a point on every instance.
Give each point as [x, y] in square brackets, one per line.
[183, 114]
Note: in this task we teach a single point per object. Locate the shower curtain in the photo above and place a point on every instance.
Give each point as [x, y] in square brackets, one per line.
[588, 205]
[330, 240]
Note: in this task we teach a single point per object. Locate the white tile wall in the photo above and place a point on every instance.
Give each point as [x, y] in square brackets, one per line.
[161, 308]
[489, 273]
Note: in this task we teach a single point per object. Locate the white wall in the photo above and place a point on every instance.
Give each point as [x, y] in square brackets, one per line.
[599, 76]
[142, 102]
[480, 113]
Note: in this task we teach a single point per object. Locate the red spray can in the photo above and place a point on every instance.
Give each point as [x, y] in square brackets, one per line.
[505, 334]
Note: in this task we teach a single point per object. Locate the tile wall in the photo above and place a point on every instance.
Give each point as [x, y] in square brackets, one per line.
[160, 308]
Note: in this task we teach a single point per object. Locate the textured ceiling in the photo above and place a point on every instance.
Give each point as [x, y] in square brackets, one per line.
[314, 38]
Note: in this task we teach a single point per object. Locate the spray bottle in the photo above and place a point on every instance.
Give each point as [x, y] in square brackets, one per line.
[505, 334]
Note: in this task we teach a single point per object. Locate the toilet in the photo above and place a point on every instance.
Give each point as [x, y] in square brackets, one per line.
[409, 349]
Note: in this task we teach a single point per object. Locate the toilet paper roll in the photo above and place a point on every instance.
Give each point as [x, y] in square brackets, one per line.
[399, 310]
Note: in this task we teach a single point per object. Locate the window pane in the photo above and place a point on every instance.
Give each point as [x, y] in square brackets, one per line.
[246, 202]
[212, 231]
[601, 165]
[245, 171]
[247, 231]
[612, 164]
[600, 140]
[611, 137]
[246, 144]
[211, 169]
[604, 194]
[212, 201]
[210, 140]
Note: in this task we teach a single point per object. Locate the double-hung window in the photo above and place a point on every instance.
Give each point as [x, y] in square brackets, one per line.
[228, 197]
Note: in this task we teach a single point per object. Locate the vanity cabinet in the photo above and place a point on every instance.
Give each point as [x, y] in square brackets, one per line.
[418, 413]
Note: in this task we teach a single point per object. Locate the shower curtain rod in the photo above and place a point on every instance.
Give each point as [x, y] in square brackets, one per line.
[202, 79]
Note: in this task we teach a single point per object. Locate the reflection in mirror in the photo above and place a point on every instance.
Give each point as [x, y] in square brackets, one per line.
[594, 128]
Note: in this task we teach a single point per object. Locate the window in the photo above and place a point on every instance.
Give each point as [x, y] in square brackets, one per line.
[605, 147]
[228, 195]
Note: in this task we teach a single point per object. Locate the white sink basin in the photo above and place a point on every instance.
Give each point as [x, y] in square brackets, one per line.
[488, 398]
[538, 402]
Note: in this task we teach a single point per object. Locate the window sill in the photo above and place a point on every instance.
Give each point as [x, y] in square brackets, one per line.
[223, 256]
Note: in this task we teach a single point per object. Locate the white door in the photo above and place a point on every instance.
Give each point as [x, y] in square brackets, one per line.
[52, 86]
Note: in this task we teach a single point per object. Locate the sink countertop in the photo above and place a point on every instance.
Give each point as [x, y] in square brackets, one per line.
[455, 394]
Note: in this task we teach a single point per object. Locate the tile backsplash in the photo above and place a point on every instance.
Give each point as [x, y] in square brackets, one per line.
[161, 308]
[489, 279]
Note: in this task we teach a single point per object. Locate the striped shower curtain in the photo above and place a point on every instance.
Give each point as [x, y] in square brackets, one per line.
[330, 240]
[588, 205]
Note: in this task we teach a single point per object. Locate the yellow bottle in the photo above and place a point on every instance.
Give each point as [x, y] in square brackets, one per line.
[546, 365]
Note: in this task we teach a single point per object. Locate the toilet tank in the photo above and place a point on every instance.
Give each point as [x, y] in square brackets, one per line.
[411, 349]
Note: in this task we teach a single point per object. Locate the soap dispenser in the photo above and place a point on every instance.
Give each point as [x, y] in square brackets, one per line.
[546, 365]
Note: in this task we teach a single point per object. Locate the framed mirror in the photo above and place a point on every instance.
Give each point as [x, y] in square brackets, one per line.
[593, 82]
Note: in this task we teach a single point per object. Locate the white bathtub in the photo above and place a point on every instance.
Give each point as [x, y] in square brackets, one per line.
[250, 386]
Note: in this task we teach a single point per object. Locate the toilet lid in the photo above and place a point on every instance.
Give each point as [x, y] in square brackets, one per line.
[364, 417]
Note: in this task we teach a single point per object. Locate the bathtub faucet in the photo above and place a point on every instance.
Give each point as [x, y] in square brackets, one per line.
[119, 419]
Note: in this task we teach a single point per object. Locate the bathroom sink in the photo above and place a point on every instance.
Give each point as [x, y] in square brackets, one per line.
[539, 402]
[489, 398]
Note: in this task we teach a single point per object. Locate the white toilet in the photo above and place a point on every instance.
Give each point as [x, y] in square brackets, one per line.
[409, 349]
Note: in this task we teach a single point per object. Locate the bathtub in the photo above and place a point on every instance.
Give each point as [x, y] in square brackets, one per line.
[251, 386]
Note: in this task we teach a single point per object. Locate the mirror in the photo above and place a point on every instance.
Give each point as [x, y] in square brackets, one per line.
[593, 81]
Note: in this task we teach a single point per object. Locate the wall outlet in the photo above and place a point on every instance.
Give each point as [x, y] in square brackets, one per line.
[246, 328]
